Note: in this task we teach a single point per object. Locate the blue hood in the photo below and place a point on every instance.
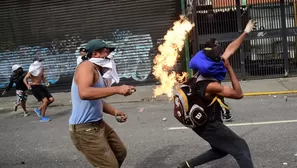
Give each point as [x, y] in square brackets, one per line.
[207, 67]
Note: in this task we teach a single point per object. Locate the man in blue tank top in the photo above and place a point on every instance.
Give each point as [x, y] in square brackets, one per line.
[89, 133]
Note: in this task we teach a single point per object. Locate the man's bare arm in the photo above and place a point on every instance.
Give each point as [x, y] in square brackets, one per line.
[235, 83]
[108, 109]
[84, 77]
[28, 75]
[233, 47]
[234, 93]
[114, 112]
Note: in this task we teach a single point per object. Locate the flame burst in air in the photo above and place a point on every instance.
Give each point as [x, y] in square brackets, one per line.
[169, 52]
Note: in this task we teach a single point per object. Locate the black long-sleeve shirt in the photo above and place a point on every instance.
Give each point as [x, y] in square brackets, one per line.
[18, 80]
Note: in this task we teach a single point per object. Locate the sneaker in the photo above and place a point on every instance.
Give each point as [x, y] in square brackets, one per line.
[26, 114]
[227, 117]
[44, 119]
[184, 165]
[15, 107]
[38, 112]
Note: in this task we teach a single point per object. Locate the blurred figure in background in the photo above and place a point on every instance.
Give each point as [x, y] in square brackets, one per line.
[17, 77]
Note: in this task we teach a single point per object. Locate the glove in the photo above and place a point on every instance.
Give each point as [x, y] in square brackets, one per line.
[250, 26]
[47, 84]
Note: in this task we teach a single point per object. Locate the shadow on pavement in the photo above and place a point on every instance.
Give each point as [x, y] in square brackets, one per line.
[60, 114]
[157, 159]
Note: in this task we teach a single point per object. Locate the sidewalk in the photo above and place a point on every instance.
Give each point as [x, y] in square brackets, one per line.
[145, 93]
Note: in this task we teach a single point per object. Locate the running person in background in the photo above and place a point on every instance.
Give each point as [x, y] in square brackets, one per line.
[36, 73]
[82, 57]
[17, 77]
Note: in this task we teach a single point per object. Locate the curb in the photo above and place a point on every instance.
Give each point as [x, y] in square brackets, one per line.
[32, 105]
[269, 93]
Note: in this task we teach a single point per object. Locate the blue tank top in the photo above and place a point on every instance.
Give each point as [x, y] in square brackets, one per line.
[85, 111]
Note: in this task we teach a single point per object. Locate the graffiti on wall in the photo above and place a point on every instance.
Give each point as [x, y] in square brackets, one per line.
[132, 57]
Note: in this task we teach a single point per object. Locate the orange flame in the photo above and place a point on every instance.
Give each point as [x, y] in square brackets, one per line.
[169, 53]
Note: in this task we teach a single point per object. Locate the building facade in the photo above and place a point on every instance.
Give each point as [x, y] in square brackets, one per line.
[55, 30]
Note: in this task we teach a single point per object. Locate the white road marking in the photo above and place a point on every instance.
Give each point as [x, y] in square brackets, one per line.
[244, 124]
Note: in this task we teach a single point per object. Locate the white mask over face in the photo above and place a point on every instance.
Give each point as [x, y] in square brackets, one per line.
[36, 68]
[108, 69]
[110, 56]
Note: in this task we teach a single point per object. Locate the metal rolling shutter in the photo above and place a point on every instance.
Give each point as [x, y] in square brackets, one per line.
[56, 29]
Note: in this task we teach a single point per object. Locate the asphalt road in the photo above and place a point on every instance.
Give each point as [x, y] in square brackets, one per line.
[152, 142]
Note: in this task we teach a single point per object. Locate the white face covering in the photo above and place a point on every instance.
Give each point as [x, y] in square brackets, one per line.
[110, 56]
[103, 62]
[109, 71]
[36, 68]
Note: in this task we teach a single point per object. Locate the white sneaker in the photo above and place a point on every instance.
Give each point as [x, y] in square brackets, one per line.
[26, 114]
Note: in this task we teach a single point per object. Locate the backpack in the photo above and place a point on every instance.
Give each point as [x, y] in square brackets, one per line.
[189, 105]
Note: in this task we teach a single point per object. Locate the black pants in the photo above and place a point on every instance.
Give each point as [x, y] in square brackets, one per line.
[223, 141]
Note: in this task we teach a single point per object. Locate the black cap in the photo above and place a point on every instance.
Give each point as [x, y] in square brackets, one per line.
[211, 43]
[38, 59]
[82, 50]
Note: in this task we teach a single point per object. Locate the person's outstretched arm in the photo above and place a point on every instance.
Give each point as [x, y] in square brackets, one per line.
[233, 47]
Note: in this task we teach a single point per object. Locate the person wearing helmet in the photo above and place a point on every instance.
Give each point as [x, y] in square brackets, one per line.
[17, 77]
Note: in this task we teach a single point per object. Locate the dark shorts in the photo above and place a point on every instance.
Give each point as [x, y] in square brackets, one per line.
[40, 92]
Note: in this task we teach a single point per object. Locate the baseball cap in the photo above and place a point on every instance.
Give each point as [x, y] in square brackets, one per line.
[15, 67]
[97, 44]
[211, 43]
[213, 50]
[38, 59]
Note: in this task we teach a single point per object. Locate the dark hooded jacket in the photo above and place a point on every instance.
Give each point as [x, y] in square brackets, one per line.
[17, 78]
